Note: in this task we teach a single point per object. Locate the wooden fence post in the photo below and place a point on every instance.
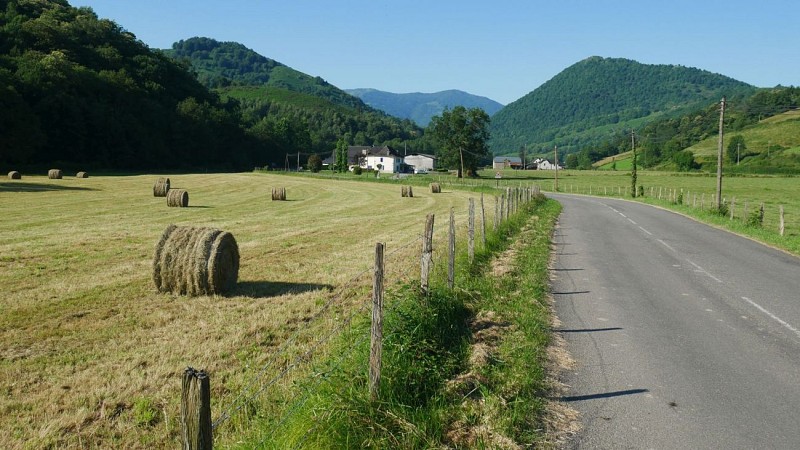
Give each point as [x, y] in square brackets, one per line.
[196, 410]
[471, 231]
[781, 225]
[451, 252]
[733, 206]
[744, 217]
[483, 222]
[496, 212]
[427, 254]
[376, 331]
[502, 207]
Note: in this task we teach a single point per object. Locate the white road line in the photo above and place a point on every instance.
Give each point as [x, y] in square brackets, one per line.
[623, 215]
[631, 221]
[646, 231]
[667, 245]
[700, 269]
[772, 316]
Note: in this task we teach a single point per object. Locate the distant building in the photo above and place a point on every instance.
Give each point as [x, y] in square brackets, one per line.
[421, 161]
[370, 157]
[543, 164]
[507, 162]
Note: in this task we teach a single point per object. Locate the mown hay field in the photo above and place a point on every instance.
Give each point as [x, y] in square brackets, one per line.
[92, 354]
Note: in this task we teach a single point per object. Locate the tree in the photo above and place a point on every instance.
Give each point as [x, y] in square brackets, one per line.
[735, 146]
[340, 160]
[314, 163]
[462, 135]
[522, 155]
[571, 161]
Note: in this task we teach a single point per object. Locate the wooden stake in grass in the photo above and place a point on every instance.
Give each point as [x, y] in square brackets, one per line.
[376, 330]
[178, 198]
[451, 251]
[781, 224]
[471, 231]
[483, 222]
[161, 187]
[196, 410]
[195, 261]
[427, 254]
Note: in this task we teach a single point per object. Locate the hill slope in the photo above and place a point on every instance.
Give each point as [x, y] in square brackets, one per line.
[220, 64]
[595, 97]
[421, 107]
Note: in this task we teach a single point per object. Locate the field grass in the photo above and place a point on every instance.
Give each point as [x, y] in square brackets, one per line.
[92, 354]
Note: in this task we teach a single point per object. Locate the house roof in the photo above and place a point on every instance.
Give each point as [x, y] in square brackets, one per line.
[511, 159]
[422, 154]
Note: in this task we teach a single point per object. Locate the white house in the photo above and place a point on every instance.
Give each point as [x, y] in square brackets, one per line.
[543, 164]
[370, 158]
[507, 162]
[421, 161]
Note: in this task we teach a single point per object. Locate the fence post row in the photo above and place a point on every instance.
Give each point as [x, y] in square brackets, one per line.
[196, 410]
[483, 222]
[781, 227]
[451, 252]
[376, 330]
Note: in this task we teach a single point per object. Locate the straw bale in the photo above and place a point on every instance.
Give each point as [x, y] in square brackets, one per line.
[161, 187]
[82, 175]
[436, 188]
[178, 198]
[279, 193]
[54, 174]
[14, 175]
[195, 261]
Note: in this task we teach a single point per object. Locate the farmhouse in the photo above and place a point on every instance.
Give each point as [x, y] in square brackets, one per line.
[421, 161]
[507, 162]
[543, 164]
[367, 157]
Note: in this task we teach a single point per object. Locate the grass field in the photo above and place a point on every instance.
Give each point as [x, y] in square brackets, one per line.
[92, 354]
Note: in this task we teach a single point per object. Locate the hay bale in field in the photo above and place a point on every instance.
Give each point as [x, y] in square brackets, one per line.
[406, 191]
[178, 198]
[436, 188]
[410, 192]
[195, 261]
[279, 193]
[54, 174]
[14, 175]
[82, 175]
[161, 187]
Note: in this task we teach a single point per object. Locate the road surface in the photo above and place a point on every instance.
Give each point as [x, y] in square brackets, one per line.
[685, 336]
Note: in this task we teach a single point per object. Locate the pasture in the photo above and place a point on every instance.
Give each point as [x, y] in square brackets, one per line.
[92, 354]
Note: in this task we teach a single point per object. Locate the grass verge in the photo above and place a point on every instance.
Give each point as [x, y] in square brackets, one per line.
[462, 368]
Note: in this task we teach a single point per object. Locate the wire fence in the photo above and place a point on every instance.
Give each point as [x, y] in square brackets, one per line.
[310, 343]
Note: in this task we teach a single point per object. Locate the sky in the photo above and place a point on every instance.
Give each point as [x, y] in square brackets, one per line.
[493, 48]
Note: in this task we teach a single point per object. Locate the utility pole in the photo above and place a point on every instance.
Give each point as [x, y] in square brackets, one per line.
[556, 157]
[298, 161]
[461, 152]
[719, 153]
[738, 144]
[287, 162]
[633, 165]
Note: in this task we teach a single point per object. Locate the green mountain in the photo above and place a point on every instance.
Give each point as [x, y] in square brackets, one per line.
[220, 64]
[421, 107]
[598, 97]
[77, 91]
[308, 113]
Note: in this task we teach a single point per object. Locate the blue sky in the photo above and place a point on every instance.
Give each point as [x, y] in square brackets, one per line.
[497, 49]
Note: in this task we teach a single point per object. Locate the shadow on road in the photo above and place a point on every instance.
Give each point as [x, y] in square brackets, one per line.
[587, 330]
[577, 398]
[571, 293]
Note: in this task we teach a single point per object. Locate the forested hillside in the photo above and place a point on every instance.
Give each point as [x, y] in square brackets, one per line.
[421, 107]
[84, 92]
[294, 111]
[597, 97]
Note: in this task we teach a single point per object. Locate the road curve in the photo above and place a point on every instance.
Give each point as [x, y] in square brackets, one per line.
[685, 336]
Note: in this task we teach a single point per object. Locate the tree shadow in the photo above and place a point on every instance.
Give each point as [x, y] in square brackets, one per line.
[266, 289]
[571, 293]
[37, 187]
[577, 398]
[567, 270]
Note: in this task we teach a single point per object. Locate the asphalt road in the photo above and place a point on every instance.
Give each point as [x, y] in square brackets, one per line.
[685, 336]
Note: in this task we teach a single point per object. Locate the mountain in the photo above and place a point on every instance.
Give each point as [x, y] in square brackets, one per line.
[220, 64]
[598, 97]
[421, 107]
[294, 111]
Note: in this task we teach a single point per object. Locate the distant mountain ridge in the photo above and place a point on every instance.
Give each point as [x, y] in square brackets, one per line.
[597, 97]
[421, 107]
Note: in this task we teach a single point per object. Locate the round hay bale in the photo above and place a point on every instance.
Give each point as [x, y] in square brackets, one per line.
[82, 175]
[403, 191]
[14, 175]
[54, 174]
[161, 187]
[436, 188]
[195, 261]
[410, 191]
[178, 197]
[279, 193]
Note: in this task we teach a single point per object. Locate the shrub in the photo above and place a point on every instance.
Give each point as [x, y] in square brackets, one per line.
[357, 170]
